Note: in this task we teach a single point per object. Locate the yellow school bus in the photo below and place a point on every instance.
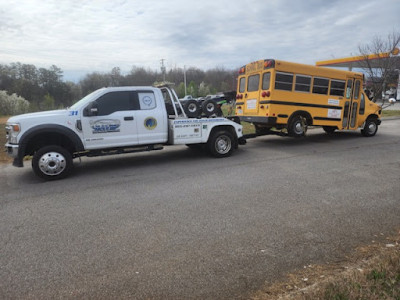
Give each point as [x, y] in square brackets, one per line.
[288, 97]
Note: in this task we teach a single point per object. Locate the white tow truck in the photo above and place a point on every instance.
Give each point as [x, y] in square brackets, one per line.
[114, 120]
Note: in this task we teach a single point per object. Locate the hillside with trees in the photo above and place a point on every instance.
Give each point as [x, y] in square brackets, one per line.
[45, 89]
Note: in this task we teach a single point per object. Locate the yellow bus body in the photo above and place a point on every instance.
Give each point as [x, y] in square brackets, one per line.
[275, 94]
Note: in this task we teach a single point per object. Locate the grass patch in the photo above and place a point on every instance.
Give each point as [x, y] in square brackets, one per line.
[369, 273]
[390, 113]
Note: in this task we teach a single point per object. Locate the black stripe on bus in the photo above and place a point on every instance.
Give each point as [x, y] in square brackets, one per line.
[239, 103]
[326, 119]
[300, 104]
[283, 116]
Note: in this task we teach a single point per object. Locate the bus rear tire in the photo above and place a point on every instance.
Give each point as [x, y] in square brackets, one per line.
[297, 126]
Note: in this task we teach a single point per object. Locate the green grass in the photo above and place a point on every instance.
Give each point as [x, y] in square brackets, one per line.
[390, 113]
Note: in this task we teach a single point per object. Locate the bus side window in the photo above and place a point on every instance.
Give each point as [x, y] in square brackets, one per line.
[320, 86]
[303, 83]
[345, 113]
[357, 89]
[242, 85]
[266, 81]
[362, 105]
[349, 87]
[337, 88]
[283, 81]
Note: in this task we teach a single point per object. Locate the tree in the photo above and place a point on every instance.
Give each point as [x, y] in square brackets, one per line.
[192, 89]
[12, 104]
[380, 62]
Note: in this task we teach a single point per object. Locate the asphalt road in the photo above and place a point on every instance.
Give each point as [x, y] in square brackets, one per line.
[177, 224]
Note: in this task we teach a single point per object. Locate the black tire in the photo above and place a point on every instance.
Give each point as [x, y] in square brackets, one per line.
[297, 126]
[52, 162]
[370, 127]
[192, 109]
[209, 107]
[221, 143]
[329, 129]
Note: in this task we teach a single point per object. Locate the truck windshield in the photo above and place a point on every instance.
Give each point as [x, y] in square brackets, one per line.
[92, 95]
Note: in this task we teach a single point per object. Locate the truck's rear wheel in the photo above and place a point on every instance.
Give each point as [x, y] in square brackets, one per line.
[221, 143]
[52, 162]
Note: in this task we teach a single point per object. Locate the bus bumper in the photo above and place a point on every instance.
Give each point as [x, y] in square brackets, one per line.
[259, 120]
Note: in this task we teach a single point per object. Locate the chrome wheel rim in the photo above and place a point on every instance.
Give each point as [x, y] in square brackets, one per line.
[223, 144]
[192, 108]
[298, 128]
[52, 163]
[371, 127]
[210, 107]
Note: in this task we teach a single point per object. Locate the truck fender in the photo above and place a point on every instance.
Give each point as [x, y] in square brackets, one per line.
[74, 141]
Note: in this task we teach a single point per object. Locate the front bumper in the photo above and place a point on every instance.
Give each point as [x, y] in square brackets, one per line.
[12, 150]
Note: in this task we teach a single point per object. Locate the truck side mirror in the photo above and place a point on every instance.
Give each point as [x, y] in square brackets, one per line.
[91, 109]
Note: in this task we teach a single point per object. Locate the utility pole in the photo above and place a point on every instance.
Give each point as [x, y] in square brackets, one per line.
[184, 77]
[163, 69]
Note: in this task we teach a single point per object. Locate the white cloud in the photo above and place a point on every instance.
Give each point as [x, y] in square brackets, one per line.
[98, 35]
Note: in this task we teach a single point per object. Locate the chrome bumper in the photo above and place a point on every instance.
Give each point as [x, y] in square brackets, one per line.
[12, 150]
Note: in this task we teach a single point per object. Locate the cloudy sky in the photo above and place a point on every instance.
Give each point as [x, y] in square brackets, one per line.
[85, 36]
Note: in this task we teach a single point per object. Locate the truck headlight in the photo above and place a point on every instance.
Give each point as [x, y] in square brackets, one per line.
[12, 131]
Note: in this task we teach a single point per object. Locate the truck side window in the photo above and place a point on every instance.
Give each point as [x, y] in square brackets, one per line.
[147, 100]
[115, 101]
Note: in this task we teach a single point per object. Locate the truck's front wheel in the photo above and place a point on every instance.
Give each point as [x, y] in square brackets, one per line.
[52, 162]
[221, 143]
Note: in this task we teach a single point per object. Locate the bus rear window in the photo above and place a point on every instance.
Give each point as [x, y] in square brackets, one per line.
[283, 81]
[242, 84]
[253, 83]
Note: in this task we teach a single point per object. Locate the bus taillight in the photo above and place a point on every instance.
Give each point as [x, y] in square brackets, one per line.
[266, 94]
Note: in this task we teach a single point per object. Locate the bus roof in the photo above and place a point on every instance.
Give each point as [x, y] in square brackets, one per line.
[298, 68]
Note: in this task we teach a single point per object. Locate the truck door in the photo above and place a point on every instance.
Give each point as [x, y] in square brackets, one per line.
[110, 121]
[252, 95]
[151, 118]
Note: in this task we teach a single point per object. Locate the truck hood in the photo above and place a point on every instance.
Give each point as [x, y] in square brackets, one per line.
[39, 115]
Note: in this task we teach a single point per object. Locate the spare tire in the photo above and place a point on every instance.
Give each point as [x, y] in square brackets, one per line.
[192, 108]
[210, 107]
